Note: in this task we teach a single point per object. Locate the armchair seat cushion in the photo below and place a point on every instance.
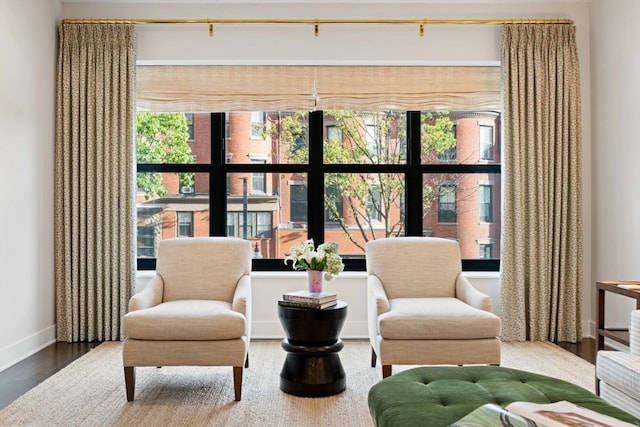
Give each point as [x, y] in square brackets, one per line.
[185, 320]
[436, 318]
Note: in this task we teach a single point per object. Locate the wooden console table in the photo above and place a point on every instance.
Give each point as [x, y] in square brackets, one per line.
[619, 335]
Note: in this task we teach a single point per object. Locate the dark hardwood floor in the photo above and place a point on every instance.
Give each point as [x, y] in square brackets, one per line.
[586, 349]
[21, 377]
[28, 373]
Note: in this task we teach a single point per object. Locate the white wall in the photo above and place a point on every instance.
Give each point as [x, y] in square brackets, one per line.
[27, 87]
[27, 73]
[615, 65]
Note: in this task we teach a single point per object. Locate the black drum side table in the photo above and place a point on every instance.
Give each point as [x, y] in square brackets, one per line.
[312, 367]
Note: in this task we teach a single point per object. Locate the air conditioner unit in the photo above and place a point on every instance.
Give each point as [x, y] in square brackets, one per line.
[186, 190]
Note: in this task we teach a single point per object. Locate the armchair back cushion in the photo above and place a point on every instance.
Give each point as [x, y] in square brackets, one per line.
[418, 269]
[185, 276]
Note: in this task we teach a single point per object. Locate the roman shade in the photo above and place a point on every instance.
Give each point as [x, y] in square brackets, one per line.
[193, 88]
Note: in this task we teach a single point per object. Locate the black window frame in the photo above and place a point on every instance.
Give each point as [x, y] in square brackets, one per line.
[315, 170]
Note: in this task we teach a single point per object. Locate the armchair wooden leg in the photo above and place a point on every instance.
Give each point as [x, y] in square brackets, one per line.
[386, 371]
[130, 382]
[373, 358]
[237, 382]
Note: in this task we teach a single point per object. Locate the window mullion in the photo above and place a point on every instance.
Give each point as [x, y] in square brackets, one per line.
[218, 177]
[315, 178]
[413, 177]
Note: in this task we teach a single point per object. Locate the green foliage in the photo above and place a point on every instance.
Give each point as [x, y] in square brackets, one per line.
[377, 137]
[293, 133]
[162, 138]
[437, 134]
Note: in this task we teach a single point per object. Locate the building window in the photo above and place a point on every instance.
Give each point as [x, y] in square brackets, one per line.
[447, 203]
[185, 224]
[264, 225]
[486, 251]
[189, 117]
[334, 133]
[298, 199]
[486, 142]
[146, 241]
[486, 206]
[258, 179]
[257, 124]
[372, 140]
[258, 225]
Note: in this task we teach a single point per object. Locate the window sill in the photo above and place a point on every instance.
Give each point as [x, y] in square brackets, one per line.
[344, 274]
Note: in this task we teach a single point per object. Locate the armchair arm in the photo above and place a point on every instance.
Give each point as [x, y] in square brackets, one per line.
[242, 301]
[150, 296]
[467, 293]
[634, 333]
[378, 300]
[377, 303]
[242, 297]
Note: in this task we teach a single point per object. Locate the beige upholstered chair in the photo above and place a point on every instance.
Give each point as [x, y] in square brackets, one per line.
[195, 311]
[422, 310]
[618, 372]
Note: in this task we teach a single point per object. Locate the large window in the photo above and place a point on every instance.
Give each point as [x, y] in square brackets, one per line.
[276, 178]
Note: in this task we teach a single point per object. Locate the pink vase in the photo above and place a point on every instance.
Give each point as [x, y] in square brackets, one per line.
[315, 280]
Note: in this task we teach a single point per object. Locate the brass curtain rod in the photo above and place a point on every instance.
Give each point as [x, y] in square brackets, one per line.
[317, 22]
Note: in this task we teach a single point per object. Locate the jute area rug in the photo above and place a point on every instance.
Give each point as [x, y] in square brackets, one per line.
[90, 391]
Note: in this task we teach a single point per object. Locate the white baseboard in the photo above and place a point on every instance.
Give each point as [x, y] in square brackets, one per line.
[20, 350]
[588, 329]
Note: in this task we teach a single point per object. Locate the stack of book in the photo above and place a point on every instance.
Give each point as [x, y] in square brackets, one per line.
[306, 299]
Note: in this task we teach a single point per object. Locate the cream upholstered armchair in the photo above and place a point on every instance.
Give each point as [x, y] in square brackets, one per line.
[422, 310]
[195, 311]
[618, 372]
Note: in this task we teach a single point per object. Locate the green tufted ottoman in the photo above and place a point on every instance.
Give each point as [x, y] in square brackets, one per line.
[440, 395]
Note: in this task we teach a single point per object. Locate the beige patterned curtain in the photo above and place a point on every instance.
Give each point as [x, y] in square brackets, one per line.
[94, 180]
[542, 240]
